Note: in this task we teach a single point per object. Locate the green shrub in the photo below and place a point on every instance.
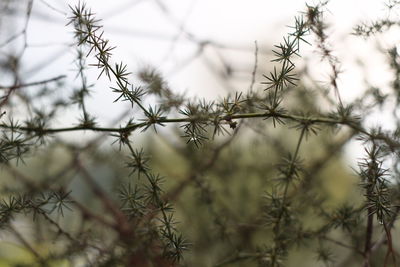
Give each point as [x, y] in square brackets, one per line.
[257, 178]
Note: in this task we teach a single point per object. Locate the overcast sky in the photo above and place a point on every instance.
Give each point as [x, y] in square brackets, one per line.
[149, 32]
[165, 34]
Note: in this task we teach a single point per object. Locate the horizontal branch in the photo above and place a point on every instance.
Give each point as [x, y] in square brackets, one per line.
[135, 126]
[228, 118]
[33, 83]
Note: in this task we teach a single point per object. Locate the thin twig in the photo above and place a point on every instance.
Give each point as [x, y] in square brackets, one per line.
[25, 242]
[253, 74]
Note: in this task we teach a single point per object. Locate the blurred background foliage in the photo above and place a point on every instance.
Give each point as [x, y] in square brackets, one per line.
[219, 189]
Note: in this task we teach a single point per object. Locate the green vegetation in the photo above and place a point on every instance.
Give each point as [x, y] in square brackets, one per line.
[257, 178]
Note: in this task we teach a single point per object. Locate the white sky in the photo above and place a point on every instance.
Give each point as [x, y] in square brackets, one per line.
[144, 35]
[147, 33]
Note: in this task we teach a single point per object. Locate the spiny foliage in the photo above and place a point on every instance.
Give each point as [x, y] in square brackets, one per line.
[139, 225]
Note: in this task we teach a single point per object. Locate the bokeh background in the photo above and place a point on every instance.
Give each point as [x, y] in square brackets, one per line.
[204, 49]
